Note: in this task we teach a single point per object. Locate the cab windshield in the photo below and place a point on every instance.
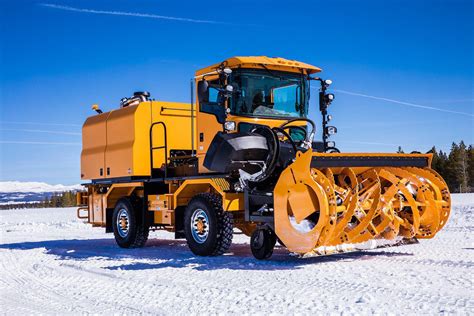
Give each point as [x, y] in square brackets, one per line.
[269, 93]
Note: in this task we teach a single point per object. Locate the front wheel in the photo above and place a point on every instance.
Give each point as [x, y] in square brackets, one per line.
[262, 242]
[208, 228]
[129, 231]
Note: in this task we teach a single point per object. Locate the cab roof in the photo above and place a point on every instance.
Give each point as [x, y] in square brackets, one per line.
[274, 63]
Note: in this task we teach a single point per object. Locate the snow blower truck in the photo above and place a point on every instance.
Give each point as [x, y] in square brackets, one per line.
[242, 156]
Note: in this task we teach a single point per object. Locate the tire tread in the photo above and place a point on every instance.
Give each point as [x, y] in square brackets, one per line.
[141, 231]
[225, 222]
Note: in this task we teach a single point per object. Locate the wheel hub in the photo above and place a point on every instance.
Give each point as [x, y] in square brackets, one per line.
[200, 226]
[123, 223]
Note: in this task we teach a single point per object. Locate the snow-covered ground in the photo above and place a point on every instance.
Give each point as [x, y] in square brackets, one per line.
[52, 263]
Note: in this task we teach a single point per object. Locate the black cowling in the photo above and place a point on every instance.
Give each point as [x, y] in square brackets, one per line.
[230, 152]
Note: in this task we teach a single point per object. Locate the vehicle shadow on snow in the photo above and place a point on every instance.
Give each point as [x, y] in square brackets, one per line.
[164, 253]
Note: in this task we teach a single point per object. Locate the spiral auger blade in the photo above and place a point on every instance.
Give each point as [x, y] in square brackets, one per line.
[440, 208]
[361, 227]
[332, 210]
[346, 196]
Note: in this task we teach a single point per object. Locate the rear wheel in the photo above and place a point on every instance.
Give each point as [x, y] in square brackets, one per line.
[129, 231]
[208, 228]
[262, 243]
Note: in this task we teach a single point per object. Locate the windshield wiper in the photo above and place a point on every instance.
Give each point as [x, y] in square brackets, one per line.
[271, 72]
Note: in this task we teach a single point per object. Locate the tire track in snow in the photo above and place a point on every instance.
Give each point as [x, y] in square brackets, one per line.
[431, 262]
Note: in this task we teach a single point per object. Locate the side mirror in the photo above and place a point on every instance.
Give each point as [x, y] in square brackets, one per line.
[203, 91]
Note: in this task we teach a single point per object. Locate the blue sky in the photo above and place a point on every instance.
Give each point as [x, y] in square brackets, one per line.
[57, 58]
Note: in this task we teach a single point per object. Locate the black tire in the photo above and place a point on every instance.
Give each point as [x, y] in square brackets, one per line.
[262, 243]
[215, 234]
[136, 233]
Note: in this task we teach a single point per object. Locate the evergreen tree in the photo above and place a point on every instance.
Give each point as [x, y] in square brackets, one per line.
[462, 168]
[470, 167]
[68, 199]
[439, 161]
[55, 200]
[45, 202]
[452, 167]
[436, 161]
[442, 163]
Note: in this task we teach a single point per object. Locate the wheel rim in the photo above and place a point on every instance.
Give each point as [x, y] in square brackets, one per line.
[199, 226]
[258, 240]
[123, 223]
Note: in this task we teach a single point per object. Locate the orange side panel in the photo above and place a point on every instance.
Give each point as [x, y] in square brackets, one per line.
[120, 138]
[93, 147]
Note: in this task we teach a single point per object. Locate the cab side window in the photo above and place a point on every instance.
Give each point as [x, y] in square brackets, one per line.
[213, 95]
[209, 103]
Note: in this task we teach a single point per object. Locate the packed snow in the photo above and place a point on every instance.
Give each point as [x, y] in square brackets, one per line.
[52, 263]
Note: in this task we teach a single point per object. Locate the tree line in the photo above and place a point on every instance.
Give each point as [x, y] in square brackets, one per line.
[456, 167]
[60, 199]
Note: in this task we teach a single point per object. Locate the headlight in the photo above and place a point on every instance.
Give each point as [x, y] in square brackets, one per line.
[229, 126]
[331, 130]
[330, 144]
[328, 98]
[328, 82]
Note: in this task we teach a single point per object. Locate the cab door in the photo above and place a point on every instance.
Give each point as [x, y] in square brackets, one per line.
[210, 119]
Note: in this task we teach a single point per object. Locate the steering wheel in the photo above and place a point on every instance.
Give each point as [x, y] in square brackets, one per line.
[308, 137]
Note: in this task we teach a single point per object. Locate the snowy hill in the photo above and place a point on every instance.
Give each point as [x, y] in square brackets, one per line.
[12, 192]
[35, 187]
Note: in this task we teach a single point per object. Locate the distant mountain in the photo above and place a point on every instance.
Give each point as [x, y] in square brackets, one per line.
[35, 187]
[13, 192]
